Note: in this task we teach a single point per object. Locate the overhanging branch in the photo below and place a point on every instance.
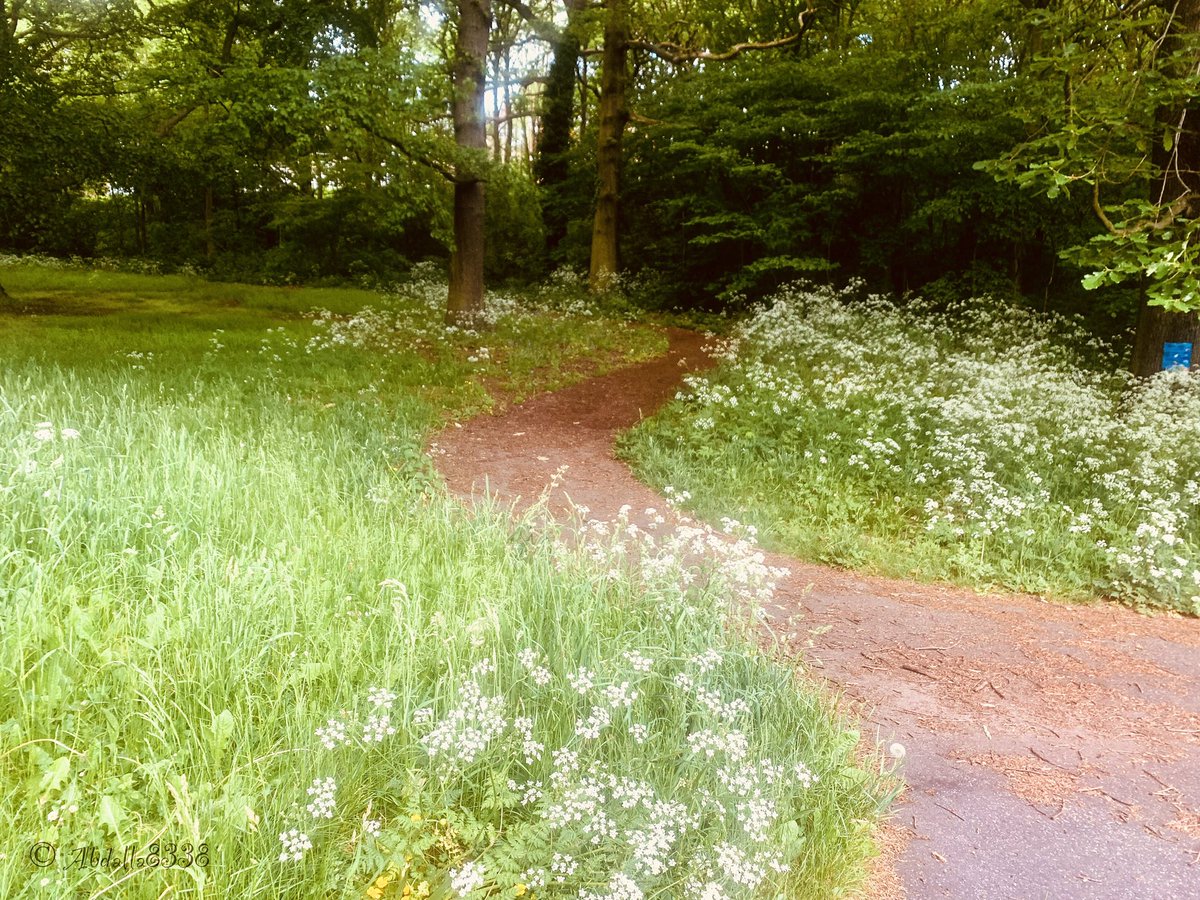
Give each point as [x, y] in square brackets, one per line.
[676, 54]
[547, 31]
[441, 168]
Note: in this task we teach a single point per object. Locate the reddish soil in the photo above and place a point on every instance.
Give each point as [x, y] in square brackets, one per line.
[1050, 750]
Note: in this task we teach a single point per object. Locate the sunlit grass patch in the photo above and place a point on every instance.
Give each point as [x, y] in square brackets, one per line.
[981, 444]
[239, 614]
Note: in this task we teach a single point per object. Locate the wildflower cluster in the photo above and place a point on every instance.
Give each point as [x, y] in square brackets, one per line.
[645, 768]
[412, 315]
[1012, 441]
[686, 555]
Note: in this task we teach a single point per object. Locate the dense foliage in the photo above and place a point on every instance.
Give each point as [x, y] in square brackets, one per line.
[928, 145]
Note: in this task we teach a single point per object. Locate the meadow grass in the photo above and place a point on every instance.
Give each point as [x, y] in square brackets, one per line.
[240, 614]
[980, 444]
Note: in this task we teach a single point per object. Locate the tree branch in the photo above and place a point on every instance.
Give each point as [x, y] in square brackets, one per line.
[639, 119]
[677, 55]
[1099, 210]
[169, 125]
[441, 168]
[1164, 218]
[547, 31]
[511, 116]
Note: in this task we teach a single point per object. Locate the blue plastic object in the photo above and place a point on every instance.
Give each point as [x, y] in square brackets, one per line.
[1177, 355]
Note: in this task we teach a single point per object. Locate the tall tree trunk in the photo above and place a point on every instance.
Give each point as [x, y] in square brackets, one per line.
[614, 114]
[551, 167]
[141, 222]
[1180, 167]
[496, 107]
[209, 248]
[465, 299]
[1157, 327]
[508, 105]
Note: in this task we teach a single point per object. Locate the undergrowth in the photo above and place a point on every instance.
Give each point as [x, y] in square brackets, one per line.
[250, 646]
[980, 443]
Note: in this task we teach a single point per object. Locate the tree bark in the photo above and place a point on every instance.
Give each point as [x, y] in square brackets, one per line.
[464, 301]
[1179, 180]
[1156, 327]
[614, 115]
[496, 106]
[508, 106]
[551, 165]
[210, 249]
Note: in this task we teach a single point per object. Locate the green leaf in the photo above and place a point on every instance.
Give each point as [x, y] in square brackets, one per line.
[111, 814]
[54, 776]
[222, 731]
[791, 838]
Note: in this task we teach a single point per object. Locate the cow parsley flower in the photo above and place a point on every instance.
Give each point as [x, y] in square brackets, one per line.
[467, 878]
[323, 803]
[295, 844]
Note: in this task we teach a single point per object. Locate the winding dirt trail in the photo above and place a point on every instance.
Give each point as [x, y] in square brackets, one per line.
[1052, 751]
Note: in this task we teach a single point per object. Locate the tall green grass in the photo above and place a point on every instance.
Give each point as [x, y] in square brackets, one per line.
[218, 533]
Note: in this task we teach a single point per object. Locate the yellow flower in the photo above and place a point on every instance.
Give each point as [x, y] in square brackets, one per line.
[416, 817]
[423, 889]
[375, 891]
[520, 889]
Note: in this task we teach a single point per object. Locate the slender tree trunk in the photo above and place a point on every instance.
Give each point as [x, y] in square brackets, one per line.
[508, 105]
[496, 106]
[1180, 167]
[465, 299]
[141, 222]
[583, 94]
[558, 115]
[8, 50]
[614, 114]
[209, 247]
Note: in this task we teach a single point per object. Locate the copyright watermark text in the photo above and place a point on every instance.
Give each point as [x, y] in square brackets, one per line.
[44, 854]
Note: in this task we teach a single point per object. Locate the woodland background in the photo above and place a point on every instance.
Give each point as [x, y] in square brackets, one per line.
[1010, 147]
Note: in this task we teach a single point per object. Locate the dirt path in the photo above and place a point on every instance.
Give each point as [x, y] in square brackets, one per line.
[1051, 751]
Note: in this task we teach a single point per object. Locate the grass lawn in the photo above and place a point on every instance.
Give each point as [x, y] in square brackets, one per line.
[251, 648]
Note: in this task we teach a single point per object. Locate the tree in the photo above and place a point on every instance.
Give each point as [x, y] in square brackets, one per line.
[474, 21]
[848, 158]
[551, 166]
[615, 115]
[1176, 159]
[61, 65]
[1109, 96]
